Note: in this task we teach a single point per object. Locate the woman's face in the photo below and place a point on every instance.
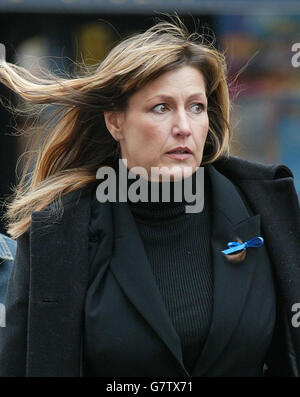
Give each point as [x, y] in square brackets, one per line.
[169, 112]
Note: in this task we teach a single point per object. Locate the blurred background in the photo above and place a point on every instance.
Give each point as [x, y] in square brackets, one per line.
[259, 38]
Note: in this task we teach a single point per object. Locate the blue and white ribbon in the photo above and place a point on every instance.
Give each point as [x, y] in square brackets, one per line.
[235, 246]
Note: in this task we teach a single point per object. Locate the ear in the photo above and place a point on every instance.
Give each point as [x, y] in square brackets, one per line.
[114, 123]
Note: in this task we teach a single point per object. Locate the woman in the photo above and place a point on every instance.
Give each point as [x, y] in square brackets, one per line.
[126, 288]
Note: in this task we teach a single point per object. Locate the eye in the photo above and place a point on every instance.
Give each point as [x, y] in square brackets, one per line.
[198, 107]
[160, 108]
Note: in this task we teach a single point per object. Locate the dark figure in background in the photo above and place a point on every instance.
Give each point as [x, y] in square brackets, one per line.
[8, 248]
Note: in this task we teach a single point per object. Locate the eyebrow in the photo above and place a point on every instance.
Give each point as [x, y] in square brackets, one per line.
[170, 98]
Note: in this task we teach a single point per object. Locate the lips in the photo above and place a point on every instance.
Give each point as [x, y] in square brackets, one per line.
[180, 153]
[180, 150]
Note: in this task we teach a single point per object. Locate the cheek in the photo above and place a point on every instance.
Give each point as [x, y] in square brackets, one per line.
[144, 130]
[151, 135]
[146, 142]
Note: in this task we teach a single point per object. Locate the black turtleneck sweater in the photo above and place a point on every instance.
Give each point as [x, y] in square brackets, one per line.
[178, 248]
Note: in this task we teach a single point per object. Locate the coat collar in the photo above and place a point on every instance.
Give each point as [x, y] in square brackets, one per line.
[231, 221]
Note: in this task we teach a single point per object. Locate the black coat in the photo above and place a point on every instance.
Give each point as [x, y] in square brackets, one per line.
[48, 284]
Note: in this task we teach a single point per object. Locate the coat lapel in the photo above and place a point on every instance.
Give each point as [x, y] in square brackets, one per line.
[131, 268]
[232, 281]
[283, 239]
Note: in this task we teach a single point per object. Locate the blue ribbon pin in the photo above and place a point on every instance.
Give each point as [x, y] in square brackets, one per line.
[234, 246]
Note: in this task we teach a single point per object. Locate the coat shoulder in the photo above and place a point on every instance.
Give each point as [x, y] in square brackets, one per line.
[237, 168]
[55, 210]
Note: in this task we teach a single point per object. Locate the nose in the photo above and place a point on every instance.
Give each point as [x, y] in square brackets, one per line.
[181, 124]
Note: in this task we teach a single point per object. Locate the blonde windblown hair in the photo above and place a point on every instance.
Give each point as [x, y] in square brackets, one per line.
[68, 152]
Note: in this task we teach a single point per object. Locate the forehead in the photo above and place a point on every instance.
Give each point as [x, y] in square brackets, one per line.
[184, 80]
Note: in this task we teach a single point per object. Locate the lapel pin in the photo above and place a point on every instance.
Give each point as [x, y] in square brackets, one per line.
[234, 246]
